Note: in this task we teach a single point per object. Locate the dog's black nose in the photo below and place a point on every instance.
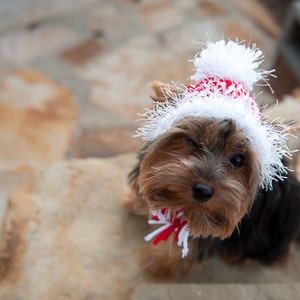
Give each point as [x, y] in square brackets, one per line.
[202, 192]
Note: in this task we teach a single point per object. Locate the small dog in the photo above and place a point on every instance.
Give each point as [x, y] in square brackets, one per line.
[210, 168]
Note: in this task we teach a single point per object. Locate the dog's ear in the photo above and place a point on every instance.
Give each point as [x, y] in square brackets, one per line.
[164, 92]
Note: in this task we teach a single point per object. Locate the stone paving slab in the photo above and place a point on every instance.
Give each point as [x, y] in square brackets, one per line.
[66, 235]
[37, 125]
[35, 114]
[217, 291]
[16, 12]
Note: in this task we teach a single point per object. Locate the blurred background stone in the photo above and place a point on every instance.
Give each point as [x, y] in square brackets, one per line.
[37, 120]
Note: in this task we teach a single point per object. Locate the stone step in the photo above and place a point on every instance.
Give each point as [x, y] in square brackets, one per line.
[270, 291]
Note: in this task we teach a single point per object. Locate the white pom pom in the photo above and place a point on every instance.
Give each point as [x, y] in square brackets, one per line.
[232, 61]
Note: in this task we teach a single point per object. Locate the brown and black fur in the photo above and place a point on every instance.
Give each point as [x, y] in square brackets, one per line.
[208, 168]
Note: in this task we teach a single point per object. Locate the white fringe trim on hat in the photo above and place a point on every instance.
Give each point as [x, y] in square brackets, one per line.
[212, 98]
[269, 142]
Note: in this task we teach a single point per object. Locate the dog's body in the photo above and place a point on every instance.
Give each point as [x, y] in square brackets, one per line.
[266, 233]
[224, 178]
[237, 220]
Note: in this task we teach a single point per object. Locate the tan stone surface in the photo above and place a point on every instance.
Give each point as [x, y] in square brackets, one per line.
[120, 79]
[37, 120]
[66, 236]
[153, 12]
[210, 8]
[288, 110]
[25, 45]
[234, 29]
[107, 142]
[8, 183]
[17, 12]
[112, 20]
[83, 52]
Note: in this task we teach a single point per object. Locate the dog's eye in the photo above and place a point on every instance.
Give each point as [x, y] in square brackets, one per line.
[191, 143]
[237, 160]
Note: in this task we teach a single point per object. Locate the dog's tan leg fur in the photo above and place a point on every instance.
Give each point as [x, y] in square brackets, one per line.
[165, 260]
[135, 204]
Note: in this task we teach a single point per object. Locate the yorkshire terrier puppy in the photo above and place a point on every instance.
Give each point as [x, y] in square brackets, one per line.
[212, 162]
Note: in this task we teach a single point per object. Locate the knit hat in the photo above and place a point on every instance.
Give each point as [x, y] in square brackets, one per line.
[225, 74]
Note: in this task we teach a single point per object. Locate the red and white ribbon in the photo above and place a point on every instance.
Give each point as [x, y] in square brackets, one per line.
[171, 223]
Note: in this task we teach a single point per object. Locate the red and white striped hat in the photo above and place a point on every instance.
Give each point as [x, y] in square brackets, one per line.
[226, 72]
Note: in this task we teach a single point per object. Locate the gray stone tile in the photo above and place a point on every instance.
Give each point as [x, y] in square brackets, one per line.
[21, 46]
[18, 12]
[216, 292]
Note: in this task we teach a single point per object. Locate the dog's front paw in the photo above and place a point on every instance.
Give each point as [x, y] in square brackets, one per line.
[163, 261]
[154, 264]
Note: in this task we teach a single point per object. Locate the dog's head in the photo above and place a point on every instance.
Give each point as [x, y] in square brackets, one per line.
[208, 147]
[207, 168]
